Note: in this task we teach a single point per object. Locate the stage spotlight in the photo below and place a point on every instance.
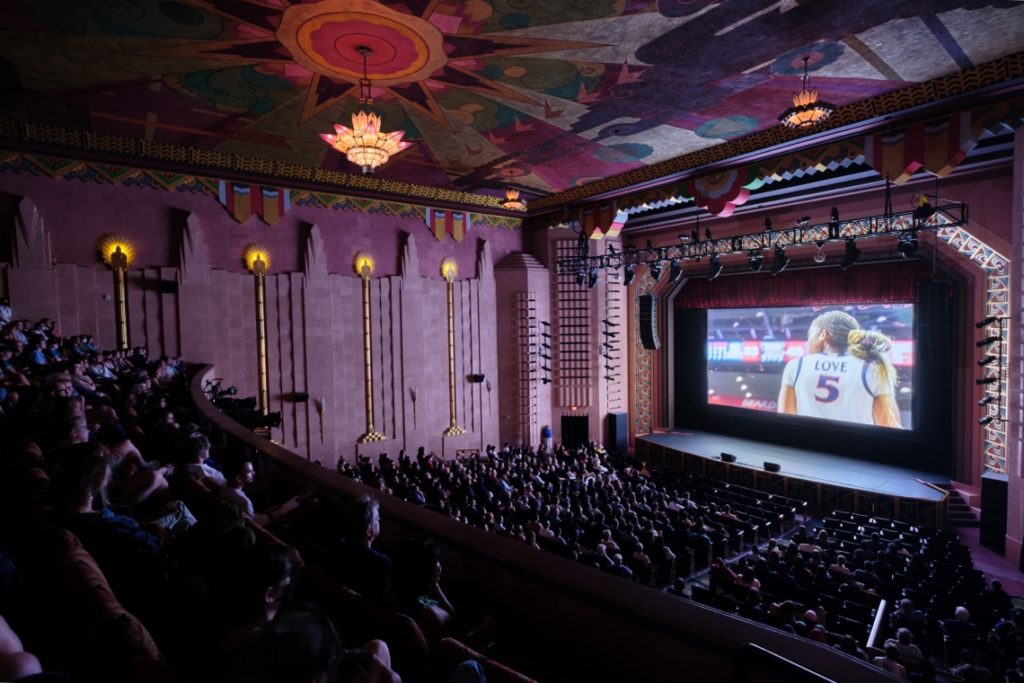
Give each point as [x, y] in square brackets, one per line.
[628, 273]
[987, 360]
[924, 210]
[755, 260]
[592, 278]
[986, 322]
[581, 277]
[819, 256]
[907, 245]
[988, 340]
[852, 253]
[656, 270]
[988, 419]
[675, 271]
[986, 380]
[991, 398]
[780, 261]
[714, 267]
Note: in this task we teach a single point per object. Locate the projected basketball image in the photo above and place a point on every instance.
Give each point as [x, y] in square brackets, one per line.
[850, 363]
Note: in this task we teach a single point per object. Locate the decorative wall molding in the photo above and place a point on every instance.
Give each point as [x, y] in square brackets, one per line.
[125, 176]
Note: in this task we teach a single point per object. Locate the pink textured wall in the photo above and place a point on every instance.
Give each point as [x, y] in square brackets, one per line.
[200, 302]
[1015, 402]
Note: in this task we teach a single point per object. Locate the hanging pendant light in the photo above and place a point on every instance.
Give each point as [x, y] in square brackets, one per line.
[365, 144]
[511, 201]
[806, 111]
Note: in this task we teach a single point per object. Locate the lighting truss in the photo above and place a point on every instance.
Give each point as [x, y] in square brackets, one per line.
[946, 215]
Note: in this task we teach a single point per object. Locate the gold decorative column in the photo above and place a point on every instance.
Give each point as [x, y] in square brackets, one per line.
[363, 265]
[449, 270]
[257, 260]
[118, 254]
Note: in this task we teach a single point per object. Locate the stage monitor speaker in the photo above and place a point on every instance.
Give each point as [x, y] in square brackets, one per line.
[993, 511]
[728, 457]
[771, 466]
[618, 432]
[649, 322]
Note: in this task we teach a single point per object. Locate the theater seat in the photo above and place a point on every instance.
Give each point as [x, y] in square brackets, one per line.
[361, 620]
[87, 632]
[449, 652]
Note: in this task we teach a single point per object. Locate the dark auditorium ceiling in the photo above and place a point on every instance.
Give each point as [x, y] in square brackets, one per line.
[557, 93]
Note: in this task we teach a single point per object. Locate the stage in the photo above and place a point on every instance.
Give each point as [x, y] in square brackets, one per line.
[825, 481]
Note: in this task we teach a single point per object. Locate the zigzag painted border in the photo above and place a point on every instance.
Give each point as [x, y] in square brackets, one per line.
[126, 176]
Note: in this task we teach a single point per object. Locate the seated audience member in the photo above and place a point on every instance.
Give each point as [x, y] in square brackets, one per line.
[264, 638]
[133, 480]
[890, 662]
[908, 617]
[849, 645]
[417, 587]
[910, 654]
[239, 474]
[123, 549]
[196, 453]
[357, 563]
[15, 662]
[961, 625]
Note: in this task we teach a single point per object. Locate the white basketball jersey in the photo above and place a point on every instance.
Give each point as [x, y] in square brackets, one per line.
[834, 387]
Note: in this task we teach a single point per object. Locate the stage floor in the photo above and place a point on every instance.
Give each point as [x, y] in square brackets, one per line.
[802, 464]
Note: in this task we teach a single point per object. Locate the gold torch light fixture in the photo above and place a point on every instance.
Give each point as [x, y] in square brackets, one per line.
[807, 110]
[117, 252]
[363, 264]
[449, 271]
[365, 143]
[257, 261]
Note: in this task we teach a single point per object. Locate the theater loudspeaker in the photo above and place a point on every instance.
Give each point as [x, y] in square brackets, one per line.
[771, 466]
[728, 457]
[618, 433]
[993, 511]
[649, 322]
[301, 396]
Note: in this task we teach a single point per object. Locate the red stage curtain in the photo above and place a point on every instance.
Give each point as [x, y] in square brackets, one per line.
[869, 283]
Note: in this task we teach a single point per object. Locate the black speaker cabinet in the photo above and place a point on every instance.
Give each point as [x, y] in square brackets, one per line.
[771, 466]
[649, 322]
[618, 433]
[993, 511]
[728, 457]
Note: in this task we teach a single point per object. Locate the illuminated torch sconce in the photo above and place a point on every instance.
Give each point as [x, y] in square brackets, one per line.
[363, 265]
[257, 261]
[448, 271]
[412, 397]
[118, 253]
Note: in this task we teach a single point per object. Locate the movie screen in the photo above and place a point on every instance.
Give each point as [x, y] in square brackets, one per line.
[848, 363]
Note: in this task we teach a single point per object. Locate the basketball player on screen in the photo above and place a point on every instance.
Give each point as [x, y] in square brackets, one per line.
[845, 375]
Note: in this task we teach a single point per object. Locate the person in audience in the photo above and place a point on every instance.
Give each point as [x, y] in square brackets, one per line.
[264, 637]
[890, 662]
[848, 644]
[910, 654]
[417, 587]
[961, 625]
[123, 549]
[133, 480]
[358, 564]
[240, 473]
[196, 453]
[15, 662]
[906, 616]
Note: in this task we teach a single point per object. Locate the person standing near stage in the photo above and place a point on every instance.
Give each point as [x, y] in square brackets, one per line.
[845, 375]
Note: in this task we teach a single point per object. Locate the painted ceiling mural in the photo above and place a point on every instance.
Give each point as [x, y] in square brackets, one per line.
[551, 92]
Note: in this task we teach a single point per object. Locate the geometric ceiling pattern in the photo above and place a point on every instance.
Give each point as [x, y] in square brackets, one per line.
[552, 92]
